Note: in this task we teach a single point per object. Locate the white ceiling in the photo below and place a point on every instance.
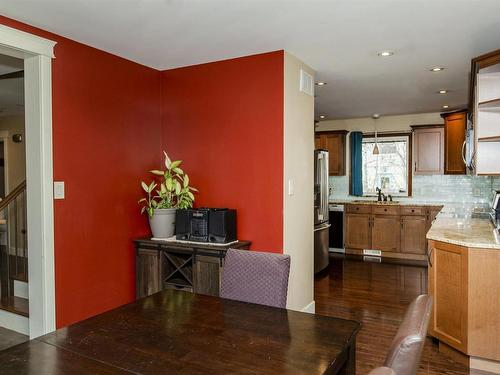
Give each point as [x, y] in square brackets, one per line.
[338, 38]
[12, 89]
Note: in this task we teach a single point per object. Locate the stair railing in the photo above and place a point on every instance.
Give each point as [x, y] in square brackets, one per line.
[13, 240]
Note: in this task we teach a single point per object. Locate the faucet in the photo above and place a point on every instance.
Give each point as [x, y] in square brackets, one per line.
[379, 191]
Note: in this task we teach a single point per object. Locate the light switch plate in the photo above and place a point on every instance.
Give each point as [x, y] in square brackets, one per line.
[291, 188]
[58, 189]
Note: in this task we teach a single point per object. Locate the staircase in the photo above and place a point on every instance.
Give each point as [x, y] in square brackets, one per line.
[14, 252]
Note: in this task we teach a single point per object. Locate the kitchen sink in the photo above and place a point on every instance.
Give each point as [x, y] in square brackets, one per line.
[369, 201]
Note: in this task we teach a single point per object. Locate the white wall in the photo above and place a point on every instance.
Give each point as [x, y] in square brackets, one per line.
[298, 168]
[15, 151]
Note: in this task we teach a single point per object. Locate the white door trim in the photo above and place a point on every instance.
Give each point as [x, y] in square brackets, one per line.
[37, 54]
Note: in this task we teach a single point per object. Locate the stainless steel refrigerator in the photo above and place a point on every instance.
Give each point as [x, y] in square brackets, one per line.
[321, 219]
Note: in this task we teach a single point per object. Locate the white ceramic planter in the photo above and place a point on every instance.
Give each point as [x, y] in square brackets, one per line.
[162, 223]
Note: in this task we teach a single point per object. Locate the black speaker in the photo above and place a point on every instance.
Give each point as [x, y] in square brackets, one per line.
[182, 224]
[198, 224]
[222, 225]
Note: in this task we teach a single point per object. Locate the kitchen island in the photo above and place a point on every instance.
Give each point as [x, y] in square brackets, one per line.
[464, 279]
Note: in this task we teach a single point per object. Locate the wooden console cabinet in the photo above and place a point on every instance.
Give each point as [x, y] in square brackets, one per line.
[191, 267]
[397, 230]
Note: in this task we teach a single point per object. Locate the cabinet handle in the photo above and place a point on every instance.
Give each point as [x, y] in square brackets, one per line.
[429, 257]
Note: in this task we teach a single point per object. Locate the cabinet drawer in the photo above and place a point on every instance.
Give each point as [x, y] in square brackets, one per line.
[413, 210]
[385, 210]
[358, 208]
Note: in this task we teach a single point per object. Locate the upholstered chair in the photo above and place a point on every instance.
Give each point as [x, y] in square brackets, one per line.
[256, 277]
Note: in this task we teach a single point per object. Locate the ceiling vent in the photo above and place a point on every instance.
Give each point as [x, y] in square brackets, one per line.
[306, 83]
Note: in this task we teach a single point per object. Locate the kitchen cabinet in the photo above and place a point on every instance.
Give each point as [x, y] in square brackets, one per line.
[385, 232]
[484, 104]
[398, 231]
[465, 287]
[455, 125]
[448, 285]
[428, 149]
[335, 143]
[358, 231]
[413, 231]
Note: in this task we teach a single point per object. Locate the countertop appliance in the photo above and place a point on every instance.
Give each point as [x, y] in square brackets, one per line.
[336, 242]
[321, 219]
[495, 208]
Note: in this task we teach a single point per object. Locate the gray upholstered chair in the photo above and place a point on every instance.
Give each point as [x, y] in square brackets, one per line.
[406, 348]
[382, 371]
[255, 277]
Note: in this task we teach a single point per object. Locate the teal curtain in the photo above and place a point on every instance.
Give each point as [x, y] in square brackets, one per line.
[356, 163]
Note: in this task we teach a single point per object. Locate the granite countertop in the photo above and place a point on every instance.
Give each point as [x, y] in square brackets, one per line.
[465, 230]
[396, 202]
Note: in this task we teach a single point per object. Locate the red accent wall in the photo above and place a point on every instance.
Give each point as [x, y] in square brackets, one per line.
[225, 121]
[106, 136]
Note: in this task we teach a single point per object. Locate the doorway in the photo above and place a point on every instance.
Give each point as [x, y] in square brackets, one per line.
[36, 55]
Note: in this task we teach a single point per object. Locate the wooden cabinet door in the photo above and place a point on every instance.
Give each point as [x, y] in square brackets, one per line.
[413, 231]
[454, 137]
[358, 231]
[206, 275]
[148, 271]
[428, 146]
[335, 143]
[448, 285]
[319, 142]
[386, 232]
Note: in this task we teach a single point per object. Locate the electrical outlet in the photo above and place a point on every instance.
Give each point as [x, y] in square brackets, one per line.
[476, 192]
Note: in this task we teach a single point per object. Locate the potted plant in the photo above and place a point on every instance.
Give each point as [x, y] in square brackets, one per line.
[164, 195]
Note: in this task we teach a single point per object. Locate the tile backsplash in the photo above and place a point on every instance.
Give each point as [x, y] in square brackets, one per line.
[440, 188]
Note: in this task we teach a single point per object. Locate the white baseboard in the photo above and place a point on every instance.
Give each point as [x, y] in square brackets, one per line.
[21, 289]
[311, 308]
[485, 365]
[14, 322]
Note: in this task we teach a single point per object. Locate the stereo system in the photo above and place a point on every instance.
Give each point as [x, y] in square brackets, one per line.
[216, 225]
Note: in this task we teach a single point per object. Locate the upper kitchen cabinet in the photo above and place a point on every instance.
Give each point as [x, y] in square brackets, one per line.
[335, 143]
[485, 107]
[455, 125]
[428, 149]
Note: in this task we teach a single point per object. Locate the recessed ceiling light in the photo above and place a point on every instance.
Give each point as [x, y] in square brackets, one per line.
[442, 92]
[446, 106]
[385, 53]
[322, 117]
[437, 69]
[320, 83]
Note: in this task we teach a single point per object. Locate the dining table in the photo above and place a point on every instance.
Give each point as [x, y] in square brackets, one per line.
[177, 332]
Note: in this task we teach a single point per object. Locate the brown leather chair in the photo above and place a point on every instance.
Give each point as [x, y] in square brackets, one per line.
[382, 371]
[406, 348]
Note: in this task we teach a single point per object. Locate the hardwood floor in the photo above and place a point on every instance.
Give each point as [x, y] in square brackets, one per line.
[16, 305]
[10, 338]
[377, 294]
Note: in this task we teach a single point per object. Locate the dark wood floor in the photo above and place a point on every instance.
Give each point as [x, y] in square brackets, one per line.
[16, 305]
[10, 338]
[377, 295]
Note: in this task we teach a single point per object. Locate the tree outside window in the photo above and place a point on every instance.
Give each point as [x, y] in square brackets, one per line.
[389, 169]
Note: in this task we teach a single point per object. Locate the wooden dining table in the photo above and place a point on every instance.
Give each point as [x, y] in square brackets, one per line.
[176, 332]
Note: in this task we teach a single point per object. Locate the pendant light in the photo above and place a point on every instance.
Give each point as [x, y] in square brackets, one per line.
[375, 117]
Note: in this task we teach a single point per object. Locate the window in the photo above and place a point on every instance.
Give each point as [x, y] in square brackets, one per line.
[390, 169]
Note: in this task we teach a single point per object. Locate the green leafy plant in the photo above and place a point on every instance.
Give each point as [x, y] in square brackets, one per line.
[173, 192]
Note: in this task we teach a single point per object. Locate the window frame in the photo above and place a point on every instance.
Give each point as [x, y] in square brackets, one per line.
[408, 134]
